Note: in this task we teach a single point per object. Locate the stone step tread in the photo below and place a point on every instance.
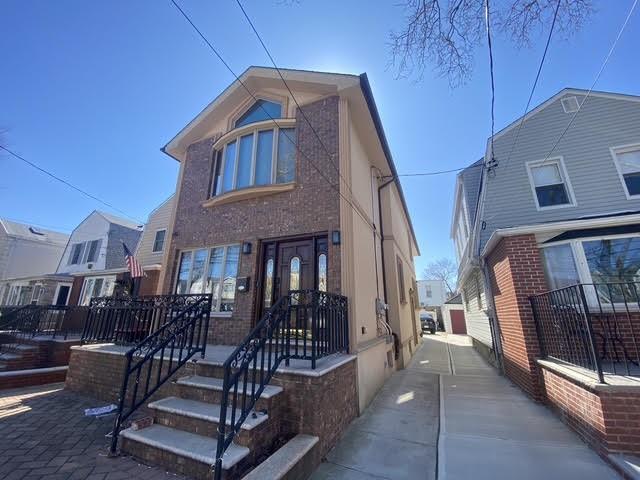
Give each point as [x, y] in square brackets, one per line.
[8, 356]
[209, 412]
[281, 462]
[186, 444]
[212, 383]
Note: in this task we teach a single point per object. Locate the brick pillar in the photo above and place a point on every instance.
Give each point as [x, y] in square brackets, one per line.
[516, 273]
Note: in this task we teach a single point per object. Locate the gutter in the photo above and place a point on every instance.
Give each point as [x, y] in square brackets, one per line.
[384, 268]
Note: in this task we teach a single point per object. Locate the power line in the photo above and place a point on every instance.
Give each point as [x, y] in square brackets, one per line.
[61, 180]
[535, 83]
[493, 87]
[304, 115]
[604, 64]
[311, 162]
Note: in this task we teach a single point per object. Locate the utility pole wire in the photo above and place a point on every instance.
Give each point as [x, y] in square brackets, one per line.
[493, 87]
[61, 180]
[604, 64]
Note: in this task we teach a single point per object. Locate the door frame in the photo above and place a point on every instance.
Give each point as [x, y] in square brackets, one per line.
[263, 243]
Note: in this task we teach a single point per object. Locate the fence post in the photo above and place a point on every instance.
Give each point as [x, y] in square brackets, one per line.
[314, 327]
[592, 343]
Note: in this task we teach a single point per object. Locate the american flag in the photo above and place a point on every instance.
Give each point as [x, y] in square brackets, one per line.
[132, 264]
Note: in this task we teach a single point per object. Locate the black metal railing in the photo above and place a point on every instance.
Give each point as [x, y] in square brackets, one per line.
[153, 361]
[129, 320]
[595, 326]
[305, 324]
[51, 321]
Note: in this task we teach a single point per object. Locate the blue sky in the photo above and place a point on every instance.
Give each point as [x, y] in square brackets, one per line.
[92, 90]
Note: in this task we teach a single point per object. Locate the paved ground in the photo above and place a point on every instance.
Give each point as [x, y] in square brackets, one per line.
[44, 434]
[488, 428]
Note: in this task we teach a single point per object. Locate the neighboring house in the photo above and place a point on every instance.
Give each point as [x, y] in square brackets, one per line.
[94, 255]
[431, 293]
[453, 316]
[557, 211]
[27, 255]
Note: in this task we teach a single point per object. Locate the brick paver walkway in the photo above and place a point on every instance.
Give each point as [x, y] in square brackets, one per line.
[44, 434]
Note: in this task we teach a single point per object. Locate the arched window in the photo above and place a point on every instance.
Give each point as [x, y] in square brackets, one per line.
[268, 283]
[259, 111]
[294, 274]
[322, 272]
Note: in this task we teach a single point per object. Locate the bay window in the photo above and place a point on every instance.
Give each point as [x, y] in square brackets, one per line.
[210, 270]
[263, 156]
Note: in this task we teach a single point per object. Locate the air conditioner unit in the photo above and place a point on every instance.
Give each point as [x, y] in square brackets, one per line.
[90, 266]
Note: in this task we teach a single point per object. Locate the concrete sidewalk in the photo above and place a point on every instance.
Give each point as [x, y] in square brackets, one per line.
[490, 430]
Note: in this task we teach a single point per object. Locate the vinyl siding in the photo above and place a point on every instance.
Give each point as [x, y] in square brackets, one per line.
[94, 227]
[158, 220]
[477, 321]
[114, 252]
[471, 183]
[603, 122]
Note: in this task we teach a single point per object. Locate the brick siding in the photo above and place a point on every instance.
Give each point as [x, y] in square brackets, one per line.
[311, 207]
[516, 273]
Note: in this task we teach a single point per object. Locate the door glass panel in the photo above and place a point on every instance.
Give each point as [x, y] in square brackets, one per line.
[264, 155]
[183, 273]
[229, 282]
[268, 283]
[294, 274]
[322, 272]
[229, 166]
[244, 161]
[197, 275]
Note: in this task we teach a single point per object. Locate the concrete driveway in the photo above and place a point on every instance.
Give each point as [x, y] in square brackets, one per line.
[450, 416]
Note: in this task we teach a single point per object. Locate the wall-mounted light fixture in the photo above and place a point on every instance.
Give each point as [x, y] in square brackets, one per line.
[246, 248]
[335, 237]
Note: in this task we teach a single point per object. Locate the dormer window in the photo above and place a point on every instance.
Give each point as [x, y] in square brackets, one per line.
[259, 111]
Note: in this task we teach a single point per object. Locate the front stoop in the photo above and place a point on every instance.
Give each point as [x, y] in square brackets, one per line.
[183, 438]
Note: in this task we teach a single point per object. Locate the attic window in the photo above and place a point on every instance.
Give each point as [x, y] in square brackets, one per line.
[570, 104]
[35, 232]
[259, 111]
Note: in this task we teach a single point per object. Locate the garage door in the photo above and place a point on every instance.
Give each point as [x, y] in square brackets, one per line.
[458, 325]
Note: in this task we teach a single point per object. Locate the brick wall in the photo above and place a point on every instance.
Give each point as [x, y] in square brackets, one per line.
[607, 417]
[311, 207]
[517, 273]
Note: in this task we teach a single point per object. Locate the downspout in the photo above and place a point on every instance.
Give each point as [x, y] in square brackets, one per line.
[384, 268]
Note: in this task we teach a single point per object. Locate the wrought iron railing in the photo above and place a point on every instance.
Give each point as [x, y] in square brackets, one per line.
[30, 321]
[129, 320]
[305, 324]
[154, 360]
[595, 326]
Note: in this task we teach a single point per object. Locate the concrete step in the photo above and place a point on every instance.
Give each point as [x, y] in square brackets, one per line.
[291, 461]
[182, 452]
[203, 418]
[209, 390]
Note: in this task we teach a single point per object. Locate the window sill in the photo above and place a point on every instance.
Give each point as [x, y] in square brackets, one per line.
[250, 192]
[220, 314]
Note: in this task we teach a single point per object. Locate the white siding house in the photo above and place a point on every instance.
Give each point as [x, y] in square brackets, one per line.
[154, 238]
[431, 293]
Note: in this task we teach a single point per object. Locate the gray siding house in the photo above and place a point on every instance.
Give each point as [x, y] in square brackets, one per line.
[568, 174]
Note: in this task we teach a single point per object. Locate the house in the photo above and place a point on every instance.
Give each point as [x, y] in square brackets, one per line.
[94, 255]
[453, 316]
[289, 213]
[431, 293]
[27, 255]
[547, 232]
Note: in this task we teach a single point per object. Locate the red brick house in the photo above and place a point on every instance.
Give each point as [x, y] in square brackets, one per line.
[288, 267]
[547, 231]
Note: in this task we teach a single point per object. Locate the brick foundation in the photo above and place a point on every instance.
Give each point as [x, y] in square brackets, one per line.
[28, 378]
[607, 417]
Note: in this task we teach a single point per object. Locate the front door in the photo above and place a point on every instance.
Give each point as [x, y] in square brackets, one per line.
[299, 264]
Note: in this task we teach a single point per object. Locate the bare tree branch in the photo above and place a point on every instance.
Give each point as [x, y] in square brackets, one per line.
[444, 269]
[443, 34]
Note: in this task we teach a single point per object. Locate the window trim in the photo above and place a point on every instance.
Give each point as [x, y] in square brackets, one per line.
[94, 278]
[614, 154]
[214, 308]
[400, 274]
[235, 135]
[559, 160]
[155, 239]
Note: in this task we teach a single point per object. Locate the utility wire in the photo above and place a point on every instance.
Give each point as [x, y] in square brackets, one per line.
[493, 87]
[304, 115]
[61, 180]
[311, 162]
[604, 64]
[535, 83]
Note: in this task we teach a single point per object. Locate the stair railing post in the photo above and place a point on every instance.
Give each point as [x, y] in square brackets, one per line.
[592, 343]
[121, 400]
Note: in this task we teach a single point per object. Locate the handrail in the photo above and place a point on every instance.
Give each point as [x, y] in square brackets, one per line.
[184, 335]
[305, 324]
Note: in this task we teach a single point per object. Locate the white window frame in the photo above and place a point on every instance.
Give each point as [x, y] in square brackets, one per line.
[614, 154]
[243, 132]
[559, 161]
[215, 309]
[101, 294]
[82, 246]
[155, 239]
[57, 292]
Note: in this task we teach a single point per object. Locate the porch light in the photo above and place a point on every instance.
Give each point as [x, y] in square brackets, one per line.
[335, 237]
[246, 248]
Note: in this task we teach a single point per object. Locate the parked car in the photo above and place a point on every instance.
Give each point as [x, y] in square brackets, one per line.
[428, 323]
